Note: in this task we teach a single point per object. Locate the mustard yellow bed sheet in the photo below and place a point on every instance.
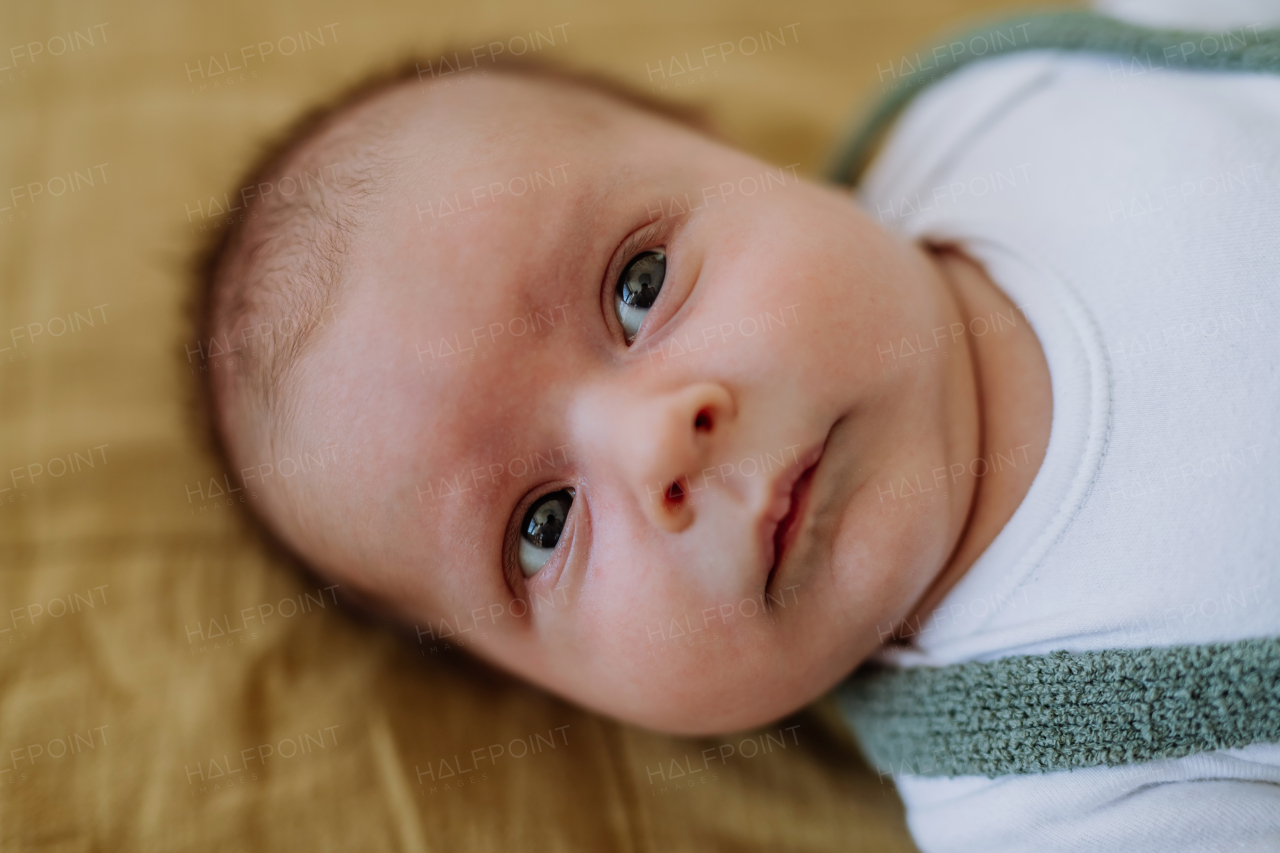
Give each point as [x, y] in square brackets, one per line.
[167, 682]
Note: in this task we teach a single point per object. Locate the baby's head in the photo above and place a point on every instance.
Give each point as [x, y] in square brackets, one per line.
[568, 358]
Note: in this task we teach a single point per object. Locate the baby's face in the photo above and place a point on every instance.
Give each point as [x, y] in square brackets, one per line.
[511, 428]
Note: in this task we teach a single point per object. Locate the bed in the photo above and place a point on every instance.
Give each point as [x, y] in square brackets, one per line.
[168, 680]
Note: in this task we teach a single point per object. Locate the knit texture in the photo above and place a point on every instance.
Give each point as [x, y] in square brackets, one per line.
[1037, 713]
[1233, 50]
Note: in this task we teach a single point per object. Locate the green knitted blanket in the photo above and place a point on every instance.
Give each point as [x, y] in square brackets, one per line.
[1242, 49]
[1037, 713]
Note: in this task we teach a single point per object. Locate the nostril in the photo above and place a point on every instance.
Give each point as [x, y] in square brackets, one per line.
[702, 421]
[676, 511]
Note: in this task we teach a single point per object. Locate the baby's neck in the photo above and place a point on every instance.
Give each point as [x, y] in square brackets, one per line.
[1010, 378]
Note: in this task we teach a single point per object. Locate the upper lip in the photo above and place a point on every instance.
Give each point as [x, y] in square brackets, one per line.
[780, 497]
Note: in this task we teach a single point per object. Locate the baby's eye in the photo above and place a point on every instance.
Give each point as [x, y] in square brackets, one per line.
[541, 529]
[638, 288]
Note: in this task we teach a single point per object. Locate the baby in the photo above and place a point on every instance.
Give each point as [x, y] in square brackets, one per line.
[685, 439]
[616, 401]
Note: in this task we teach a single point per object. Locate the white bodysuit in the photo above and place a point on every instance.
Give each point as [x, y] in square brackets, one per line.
[1132, 211]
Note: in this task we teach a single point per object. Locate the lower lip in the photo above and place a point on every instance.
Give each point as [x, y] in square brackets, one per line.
[789, 527]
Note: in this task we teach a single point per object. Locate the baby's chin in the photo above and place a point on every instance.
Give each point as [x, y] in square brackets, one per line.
[742, 713]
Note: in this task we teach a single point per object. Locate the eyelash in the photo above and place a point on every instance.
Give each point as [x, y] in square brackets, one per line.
[639, 241]
[510, 548]
[648, 237]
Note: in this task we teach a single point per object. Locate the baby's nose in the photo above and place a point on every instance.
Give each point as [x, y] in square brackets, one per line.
[663, 441]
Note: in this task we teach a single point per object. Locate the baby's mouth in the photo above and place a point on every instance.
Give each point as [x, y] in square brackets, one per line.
[787, 528]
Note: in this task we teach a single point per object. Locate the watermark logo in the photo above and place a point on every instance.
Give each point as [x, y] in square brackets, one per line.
[73, 743]
[445, 775]
[718, 334]
[57, 607]
[679, 775]
[55, 327]
[470, 481]
[221, 492]
[748, 466]
[221, 71]
[951, 193]
[904, 488]
[1135, 68]
[1172, 619]
[20, 56]
[1194, 328]
[221, 210]
[686, 70]
[444, 635]
[1189, 474]
[24, 195]
[1180, 196]
[58, 466]
[445, 67]
[747, 608]
[54, 608]
[251, 341]
[911, 349]
[484, 337]
[744, 188]
[947, 55]
[238, 771]
[481, 194]
[223, 633]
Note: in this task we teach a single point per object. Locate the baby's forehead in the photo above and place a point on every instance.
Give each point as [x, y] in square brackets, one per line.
[455, 287]
[495, 200]
[496, 121]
